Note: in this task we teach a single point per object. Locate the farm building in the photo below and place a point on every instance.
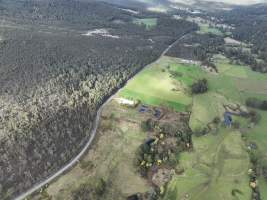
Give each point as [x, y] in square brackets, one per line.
[127, 102]
[228, 119]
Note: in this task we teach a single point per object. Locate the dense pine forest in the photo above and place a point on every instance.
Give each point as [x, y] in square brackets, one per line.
[250, 26]
[54, 77]
[60, 60]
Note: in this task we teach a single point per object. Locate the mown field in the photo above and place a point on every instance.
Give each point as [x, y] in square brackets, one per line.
[155, 85]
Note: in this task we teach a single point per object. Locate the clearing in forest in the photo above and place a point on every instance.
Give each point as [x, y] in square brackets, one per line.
[149, 23]
[232, 85]
[162, 84]
[216, 169]
[206, 28]
[110, 159]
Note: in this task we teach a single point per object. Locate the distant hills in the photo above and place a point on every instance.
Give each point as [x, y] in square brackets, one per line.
[163, 5]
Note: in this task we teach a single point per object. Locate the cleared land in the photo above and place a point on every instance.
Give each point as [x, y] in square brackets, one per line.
[233, 84]
[226, 87]
[156, 86]
[205, 28]
[217, 167]
[205, 108]
[110, 159]
[149, 23]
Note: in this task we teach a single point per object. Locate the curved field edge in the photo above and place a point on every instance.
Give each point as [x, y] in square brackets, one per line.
[217, 166]
[219, 162]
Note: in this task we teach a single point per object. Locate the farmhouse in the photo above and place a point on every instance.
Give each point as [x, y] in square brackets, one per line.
[127, 102]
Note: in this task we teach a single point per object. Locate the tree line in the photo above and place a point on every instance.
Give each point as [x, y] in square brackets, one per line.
[53, 79]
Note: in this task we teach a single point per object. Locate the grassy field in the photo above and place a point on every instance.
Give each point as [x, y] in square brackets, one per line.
[205, 28]
[233, 84]
[220, 162]
[217, 166]
[111, 158]
[205, 108]
[263, 187]
[155, 86]
[147, 22]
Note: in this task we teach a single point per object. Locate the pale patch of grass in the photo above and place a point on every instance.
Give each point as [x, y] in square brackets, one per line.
[205, 28]
[112, 158]
[149, 23]
[155, 86]
[217, 165]
[205, 108]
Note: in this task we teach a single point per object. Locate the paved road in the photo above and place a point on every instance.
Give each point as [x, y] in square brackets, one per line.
[92, 136]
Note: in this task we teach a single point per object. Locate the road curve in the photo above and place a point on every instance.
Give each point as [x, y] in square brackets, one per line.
[92, 136]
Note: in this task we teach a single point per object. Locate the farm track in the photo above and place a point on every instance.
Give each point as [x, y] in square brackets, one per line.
[76, 159]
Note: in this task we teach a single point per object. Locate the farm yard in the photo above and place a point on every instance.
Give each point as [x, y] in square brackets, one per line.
[230, 163]
[214, 165]
[133, 100]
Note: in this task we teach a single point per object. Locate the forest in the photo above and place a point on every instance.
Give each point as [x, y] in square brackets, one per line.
[200, 47]
[54, 78]
[250, 24]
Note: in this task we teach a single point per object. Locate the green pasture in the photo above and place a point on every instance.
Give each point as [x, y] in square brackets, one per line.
[187, 74]
[205, 28]
[214, 170]
[110, 158]
[147, 22]
[205, 108]
[234, 84]
[155, 86]
[263, 188]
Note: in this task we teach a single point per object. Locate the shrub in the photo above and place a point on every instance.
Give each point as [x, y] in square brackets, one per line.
[216, 120]
[92, 189]
[100, 186]
[254, 117]
[201, 132]
[86, 164]
[145, 126]
[256, 103]
[199, 87]
[236, 125]
[236, 191]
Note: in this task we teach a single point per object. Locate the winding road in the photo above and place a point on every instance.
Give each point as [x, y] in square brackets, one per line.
[92, 136]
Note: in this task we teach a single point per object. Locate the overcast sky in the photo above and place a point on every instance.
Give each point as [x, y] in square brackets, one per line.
[240, 2]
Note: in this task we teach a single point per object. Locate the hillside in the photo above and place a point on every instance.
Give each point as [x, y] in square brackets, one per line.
[189, 126]
[59, 60]
[188, 118]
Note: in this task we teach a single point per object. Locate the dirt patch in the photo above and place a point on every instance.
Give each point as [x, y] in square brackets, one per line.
[162, 177]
